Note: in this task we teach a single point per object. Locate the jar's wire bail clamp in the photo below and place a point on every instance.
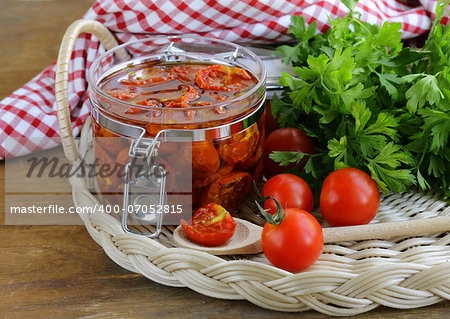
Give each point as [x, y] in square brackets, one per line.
[153, 176]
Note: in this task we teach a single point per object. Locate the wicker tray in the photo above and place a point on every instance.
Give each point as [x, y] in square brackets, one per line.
[348, 279]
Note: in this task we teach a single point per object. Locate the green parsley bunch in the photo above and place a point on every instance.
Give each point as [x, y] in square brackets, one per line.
[369, 102]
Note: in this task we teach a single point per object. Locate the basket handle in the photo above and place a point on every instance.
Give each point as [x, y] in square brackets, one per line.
[62, 76]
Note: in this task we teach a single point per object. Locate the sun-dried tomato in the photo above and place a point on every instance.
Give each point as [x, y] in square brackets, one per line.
[205, 160]
[187, 72]
[148, 102]
[123, 94]
[229, 190]
[223, 78]
[148, 76]
[240, 147]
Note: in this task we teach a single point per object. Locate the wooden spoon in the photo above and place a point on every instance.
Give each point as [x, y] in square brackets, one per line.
[247, 237]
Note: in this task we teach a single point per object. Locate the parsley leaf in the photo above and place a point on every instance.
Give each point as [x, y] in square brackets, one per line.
[351, 4]
[425, 90]
[369, 102]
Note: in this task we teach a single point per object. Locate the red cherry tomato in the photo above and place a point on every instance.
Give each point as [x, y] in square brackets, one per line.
[285, 139]
[211, 225]
[290, 190]
[349, 197]
[295, 243]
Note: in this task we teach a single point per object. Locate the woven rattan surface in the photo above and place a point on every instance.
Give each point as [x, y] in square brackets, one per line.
[349, 277]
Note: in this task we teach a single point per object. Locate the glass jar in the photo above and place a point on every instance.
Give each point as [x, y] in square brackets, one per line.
[216, 148]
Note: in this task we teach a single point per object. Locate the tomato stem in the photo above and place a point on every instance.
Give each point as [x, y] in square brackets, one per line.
[274, 219]
[260, 199]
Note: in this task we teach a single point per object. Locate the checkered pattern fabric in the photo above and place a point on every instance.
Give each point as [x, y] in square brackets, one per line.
[28, 115]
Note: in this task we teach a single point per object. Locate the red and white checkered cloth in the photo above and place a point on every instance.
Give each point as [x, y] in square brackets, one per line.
[29, 112]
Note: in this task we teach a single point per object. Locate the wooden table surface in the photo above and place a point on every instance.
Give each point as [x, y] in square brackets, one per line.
[59, 271]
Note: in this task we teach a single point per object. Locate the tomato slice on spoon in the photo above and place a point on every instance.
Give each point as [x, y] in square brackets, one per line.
[212, 225]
